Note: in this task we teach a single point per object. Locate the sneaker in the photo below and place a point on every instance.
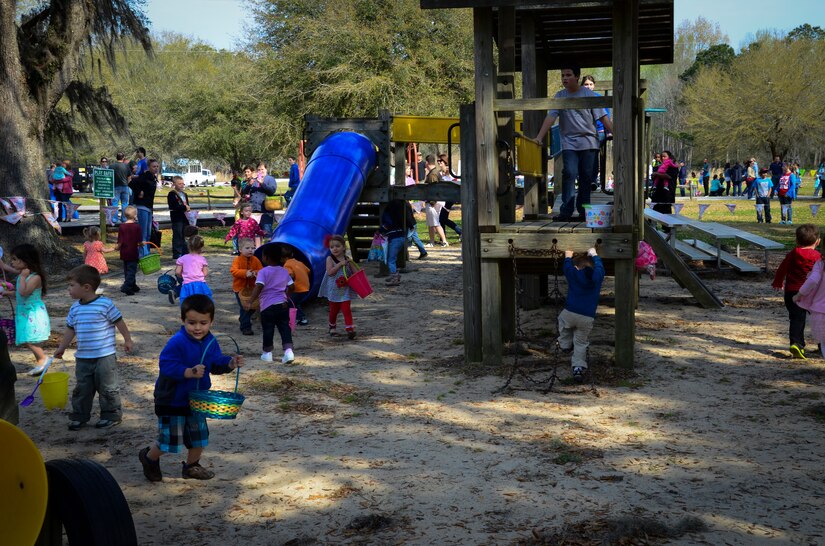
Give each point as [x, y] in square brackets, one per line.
[351, 333]
[443, 243]
[423, 256]
[151, 469]
[578, 374]
[429, 245]
[797, 352]
[76, 425]
[332, 331]
[248, 332]
[267, 357]
[107, 423]
[289, 356]
[303, 322]
[394, 280]
[136, 288]
[566, 351]
[37, 370]
[195, 471]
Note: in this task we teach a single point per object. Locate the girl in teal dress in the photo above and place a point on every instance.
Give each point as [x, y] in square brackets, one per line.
[31, 320]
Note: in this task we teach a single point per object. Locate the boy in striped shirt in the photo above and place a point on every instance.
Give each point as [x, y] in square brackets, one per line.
[93, 320]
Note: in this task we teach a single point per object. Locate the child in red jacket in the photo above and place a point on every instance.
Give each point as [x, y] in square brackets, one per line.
[792, 273]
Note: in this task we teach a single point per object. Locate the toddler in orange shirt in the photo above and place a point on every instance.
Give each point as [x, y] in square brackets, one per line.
[244, 271]
[300, 276]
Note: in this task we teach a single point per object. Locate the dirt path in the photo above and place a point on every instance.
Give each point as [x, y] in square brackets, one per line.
[390, 435]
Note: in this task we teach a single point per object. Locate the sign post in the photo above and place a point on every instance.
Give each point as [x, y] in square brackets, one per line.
[103, 181]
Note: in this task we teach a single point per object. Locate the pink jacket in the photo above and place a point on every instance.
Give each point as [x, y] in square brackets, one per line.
[245, 229]
[812, 293]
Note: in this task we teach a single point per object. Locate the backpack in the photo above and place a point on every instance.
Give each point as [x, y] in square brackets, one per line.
[784, 185]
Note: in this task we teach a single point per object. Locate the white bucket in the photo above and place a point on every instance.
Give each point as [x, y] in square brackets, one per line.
[598, 216]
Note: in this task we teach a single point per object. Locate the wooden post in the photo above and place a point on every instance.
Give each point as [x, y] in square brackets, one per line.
[400, 181]
[505, 89]
[103, 231]
[487, 180]
[470, 241]
[208, 200]
[625, 143]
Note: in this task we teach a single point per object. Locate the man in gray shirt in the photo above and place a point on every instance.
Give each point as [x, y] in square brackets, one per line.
[579, 143]
[122, 191]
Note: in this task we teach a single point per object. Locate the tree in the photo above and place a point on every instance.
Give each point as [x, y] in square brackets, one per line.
[40, 55]
[719, 55]
[806, 32]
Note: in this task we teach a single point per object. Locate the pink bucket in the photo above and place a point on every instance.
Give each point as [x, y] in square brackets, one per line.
[293, 318]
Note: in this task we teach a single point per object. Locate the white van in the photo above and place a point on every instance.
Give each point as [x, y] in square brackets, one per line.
[199, 177]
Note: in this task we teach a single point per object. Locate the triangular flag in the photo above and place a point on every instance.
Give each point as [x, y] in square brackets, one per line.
[418, 206]
[702, 209]
[192, 216]
[7, 206]
[111, 214]
[52, 222]
[219, 216]
[677, 207]
[55, 208]
[71, 208]
[814, 210]
[12, 218]
[19, 204]
[731, 207]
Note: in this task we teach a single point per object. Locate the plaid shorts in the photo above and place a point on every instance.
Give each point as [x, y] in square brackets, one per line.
[191, 430]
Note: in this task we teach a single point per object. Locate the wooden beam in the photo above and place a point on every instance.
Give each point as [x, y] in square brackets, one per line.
[625, 145]
[506, 89]
[550, 103]
[487, 179]
[613, 246]
[470, 256]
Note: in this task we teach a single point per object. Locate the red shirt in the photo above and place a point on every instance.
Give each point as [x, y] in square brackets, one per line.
[128, 237]
[795, 268]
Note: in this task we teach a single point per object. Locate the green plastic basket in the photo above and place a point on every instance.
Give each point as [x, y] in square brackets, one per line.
[214, 404]
[151, 262]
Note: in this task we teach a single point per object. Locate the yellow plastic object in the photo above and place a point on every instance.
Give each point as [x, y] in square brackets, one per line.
[424, 129]
[55, 390]
[528, 157]
[24, 489]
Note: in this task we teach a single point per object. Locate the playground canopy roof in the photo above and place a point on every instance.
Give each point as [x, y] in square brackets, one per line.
[580, 30]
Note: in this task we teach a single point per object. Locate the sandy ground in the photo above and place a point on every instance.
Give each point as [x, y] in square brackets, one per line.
[390, 439]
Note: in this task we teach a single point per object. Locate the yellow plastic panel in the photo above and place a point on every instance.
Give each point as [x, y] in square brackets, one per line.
[23, 487]
[424, 129]
[528, 157]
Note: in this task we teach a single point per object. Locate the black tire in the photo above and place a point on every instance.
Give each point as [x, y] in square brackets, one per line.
[88, 502]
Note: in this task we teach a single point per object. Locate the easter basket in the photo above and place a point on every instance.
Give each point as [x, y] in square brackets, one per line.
[215, 404]
[151, 262]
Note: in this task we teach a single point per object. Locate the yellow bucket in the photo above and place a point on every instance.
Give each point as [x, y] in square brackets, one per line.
[23, 487]
[55, 390]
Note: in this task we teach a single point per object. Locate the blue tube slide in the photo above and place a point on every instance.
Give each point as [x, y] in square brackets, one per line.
[324, 201]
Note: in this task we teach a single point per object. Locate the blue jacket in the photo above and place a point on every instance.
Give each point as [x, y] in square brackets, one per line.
[583, 287]
[183, 351]
[294, 176]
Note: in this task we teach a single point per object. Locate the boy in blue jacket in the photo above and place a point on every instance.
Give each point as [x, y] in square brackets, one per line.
[185, 364]
[584, 276]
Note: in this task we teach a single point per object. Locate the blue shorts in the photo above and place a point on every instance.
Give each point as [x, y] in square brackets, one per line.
[189, 430]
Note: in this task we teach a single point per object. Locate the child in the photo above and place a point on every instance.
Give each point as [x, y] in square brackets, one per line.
[271, 286]
[335, 288]
[244, 228]
[8, 376]
[94, 249]
[433, 212]
[300, 275]
[763, 187]
[792, 273]
[93, 320]
[694, 184]
[128, 239]
[786, 189]
[178, 375]
[193, 268]
[811, 297]
[178, 203]
[31, 320]
[584, 283]
[244, 270]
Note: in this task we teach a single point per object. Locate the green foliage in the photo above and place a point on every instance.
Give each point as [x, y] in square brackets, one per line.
[806, 32]
[719, 55]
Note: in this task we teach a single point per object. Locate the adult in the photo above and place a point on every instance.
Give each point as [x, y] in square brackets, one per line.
[737, 174]
[726, 174]
[236, 183]
[141, 163]
[178, 203]
[143, 191]
[263, 185]
[777, 168]
[246, 187]
[820, 179]
[395, 223]
[58, 177]
[420, 167]
[49, 173]
[590, 83]
[579, 142]
[294, 179]
[122, 192]
[706, 176]
[444, 213]
[682, 177]
[433, 172]
[663, 193]
[750, 176]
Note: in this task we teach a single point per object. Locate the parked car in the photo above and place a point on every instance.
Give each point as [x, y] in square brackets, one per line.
[82, 180]
[202, 177]
[166, 176]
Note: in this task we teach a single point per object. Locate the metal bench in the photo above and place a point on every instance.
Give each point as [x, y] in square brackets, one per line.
[722, 256]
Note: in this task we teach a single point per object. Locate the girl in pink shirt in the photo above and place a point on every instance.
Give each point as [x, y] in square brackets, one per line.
[193, 268]
[94, 250]
[245, 227]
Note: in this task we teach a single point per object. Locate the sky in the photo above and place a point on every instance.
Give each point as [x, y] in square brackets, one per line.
[221, 22]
